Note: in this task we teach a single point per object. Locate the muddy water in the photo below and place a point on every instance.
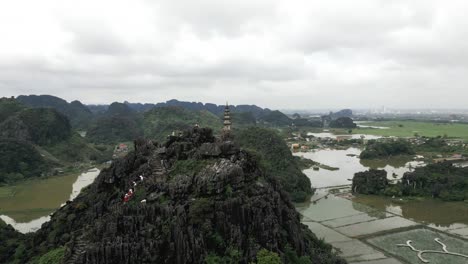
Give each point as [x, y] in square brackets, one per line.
[435, 213]
[429, 211]
[31, 202]
[349, 163]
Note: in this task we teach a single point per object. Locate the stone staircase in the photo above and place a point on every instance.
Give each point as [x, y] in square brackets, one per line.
[157, 167]
[78, 250]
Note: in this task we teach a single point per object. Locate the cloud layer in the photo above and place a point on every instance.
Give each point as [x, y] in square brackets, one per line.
[275, 53]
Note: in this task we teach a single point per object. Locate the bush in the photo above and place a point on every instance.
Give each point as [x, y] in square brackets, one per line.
[53, 257]
[274, 156]
[375, 149]
[267, 257]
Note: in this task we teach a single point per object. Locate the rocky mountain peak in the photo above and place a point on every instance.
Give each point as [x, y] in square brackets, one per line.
[192, 198]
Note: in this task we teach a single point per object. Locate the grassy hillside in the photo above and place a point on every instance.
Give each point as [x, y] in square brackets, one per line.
[277, 160]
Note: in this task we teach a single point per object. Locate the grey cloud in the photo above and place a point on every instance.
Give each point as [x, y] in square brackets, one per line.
[280, 54]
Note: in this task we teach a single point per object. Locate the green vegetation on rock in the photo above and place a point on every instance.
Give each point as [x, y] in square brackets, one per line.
[78, 114]
[267, 257]
[114, 129]
[370, 182]
[54, 256]
[232, 206]
[9, 107]
[439, 180]
[378, 149]
[276, 118]
[20, 160]
[33, 141]
[343, 122]
[276, 158]
[160, 122]
[42, 126]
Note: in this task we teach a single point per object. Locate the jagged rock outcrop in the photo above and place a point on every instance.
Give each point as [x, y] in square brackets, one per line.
[203, 197]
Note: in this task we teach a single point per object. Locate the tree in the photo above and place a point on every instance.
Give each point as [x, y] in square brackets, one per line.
[267, 257]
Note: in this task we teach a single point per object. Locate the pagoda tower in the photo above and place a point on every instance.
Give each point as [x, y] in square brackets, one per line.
[227, 119]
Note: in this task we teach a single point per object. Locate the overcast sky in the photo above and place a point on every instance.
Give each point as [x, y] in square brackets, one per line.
[280, 54]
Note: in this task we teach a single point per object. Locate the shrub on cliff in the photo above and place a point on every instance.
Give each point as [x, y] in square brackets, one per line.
[277, 160]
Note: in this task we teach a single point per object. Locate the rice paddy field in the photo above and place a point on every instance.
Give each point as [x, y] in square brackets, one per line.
[424, 240]
[410, 128]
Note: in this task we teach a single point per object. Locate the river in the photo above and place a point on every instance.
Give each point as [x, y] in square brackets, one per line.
[31, 202]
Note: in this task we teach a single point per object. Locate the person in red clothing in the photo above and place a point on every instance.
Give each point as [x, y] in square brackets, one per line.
[128, 195]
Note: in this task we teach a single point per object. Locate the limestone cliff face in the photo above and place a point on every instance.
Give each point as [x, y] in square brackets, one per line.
[203, 197]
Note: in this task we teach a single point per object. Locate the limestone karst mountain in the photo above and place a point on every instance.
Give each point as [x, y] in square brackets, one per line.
[199, 199]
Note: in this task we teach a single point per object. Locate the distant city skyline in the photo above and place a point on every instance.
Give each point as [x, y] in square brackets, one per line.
[278, 54]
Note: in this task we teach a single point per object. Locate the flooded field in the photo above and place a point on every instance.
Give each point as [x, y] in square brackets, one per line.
[361, 227]
[436, 213]
[27, 205]
[346, 136]
[365, 124]
[349, 163]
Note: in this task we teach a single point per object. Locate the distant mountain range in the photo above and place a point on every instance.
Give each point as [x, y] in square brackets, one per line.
[83, 116]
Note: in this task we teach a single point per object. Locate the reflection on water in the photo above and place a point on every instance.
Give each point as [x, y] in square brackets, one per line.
[348, 136]
[331, 208]
[349, 163]
[428, 211]
[35, 200]
[435, 213]
[360, 124]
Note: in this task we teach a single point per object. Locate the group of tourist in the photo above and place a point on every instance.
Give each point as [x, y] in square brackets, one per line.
[131, 191]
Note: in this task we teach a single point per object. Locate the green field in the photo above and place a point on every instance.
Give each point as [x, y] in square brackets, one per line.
[410, 128]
